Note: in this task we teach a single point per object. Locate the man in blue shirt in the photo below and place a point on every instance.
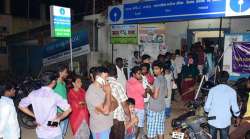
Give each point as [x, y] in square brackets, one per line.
[222, 99]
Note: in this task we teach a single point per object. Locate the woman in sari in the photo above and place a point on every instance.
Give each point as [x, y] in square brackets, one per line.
[79, 117]
[189, 75]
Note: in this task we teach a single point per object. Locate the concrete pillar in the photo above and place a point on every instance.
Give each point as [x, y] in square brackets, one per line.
[7, 6]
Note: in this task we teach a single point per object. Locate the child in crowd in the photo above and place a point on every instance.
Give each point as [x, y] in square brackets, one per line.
[147, 79]
[9, 127]
[130, 125]
[170, 80]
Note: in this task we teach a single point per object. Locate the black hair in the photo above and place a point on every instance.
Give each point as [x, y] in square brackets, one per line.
[130, 101]
[146, 65]
[112, 70]
[190, 54]
[145, 57]
[167, 67]
[157, 63]
[223, 77]
[118, 59]
[160, 56]
[6, 87]
[92, 71]
[100, 70]
[61, 68]
[75, 77]
[136, 52]
[48, 78]
[167, 54]
[135, 69]
[177, 52]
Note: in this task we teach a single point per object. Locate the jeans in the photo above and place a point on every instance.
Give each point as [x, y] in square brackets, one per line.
[57, 137]
[130, 136]
[168, 112]
[224, 132]
[102, 135]
[64, 126]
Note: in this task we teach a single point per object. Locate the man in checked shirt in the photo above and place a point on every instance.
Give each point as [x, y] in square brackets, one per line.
[120, 113]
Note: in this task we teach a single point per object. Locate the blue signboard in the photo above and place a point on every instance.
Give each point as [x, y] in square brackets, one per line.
[78, 39]
[168, 10]
[162, 10]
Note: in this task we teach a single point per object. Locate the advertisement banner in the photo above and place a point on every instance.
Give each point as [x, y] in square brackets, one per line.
[59, 50]
[152, 33]
[124, 34]
[152, 39]
[241, 57]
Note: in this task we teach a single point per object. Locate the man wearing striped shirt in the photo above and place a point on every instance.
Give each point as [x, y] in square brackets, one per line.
[120, 113]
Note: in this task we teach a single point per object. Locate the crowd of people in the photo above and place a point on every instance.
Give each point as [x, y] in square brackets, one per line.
[117, 106]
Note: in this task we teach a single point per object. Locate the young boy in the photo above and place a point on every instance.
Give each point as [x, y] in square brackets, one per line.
[169, 78]
[147, 79]
[9, 127]
[157, 105]
[130, 125]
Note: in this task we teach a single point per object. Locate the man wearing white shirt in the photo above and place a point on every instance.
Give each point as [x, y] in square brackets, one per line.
[9, 127]
[221, 104]
[178, 62]
[121, 78]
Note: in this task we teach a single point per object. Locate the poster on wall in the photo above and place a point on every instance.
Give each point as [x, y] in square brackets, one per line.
[241, 57]
[152, 39]
[230, 40]
[152, 33]
[124, 34]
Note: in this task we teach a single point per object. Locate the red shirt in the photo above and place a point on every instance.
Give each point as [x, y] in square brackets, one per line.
[150, 79]
[78, 114]
[136, 91]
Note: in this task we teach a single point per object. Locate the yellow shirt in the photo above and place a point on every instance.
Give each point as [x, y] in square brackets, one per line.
[247, 114]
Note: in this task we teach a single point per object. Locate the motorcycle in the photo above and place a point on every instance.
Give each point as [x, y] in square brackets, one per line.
[23, 88]
[194, 123]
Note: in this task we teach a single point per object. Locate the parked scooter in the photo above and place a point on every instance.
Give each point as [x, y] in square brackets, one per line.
[194, 123]
[23, 88]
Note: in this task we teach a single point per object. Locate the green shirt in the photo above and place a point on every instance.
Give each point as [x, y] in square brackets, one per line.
[61, 90]
[189, 71]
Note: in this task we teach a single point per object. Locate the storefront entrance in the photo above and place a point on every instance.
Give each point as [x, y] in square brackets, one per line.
[211, 35]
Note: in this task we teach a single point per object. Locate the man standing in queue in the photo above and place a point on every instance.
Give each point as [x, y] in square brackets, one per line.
[100, 104]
